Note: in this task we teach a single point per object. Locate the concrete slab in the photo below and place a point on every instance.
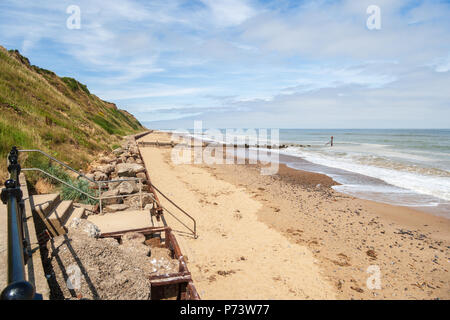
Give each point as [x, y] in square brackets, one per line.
[44, 203]
[123, 220]
[59, 215]
[76, 213]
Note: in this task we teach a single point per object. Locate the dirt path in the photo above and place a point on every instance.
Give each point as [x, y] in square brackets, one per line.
[236, 256]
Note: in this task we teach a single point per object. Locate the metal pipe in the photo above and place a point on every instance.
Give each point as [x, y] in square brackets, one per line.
[100, 196]
[60, 162]
[99, 184]
[72, 169]
[15, 251]
[18, 288]
[176, 206]
[140, 193]
[60, 180]
[73, 187]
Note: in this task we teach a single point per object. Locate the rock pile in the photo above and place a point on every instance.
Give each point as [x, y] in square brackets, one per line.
[122, 163]
[81, 266]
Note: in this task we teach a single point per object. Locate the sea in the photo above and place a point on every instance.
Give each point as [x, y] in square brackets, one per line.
[407, 167]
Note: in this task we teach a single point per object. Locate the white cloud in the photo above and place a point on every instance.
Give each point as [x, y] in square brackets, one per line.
[279, 60]
[230, 12]
[150, 92]
[337, 30]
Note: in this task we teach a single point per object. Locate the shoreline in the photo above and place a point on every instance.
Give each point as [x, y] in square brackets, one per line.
[353, 183]
[436, 211]
[441, 210]
[344, 234]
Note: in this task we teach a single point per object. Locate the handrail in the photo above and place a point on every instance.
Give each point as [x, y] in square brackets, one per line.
[60, 162]
[176, 206]
[100, 198]
[18, 288]
[153, 188]
[76, 171]
[194, 232]
[62, 181]
[99, 184]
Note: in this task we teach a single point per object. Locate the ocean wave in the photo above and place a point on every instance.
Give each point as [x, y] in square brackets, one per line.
[413, 171]
[430, 181]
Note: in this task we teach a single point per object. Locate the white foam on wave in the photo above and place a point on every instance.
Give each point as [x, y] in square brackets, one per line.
[345, 156]
[437, 186]
[387, 194]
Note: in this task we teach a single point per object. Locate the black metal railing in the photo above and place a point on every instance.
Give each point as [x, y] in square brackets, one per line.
[18, 288]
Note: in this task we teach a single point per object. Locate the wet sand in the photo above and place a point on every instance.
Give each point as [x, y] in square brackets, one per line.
[347, 235]
[291, 236]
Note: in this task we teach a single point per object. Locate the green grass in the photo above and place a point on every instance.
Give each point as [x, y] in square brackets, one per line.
[74, 85]
[58, 172]
[60, 116]
[68, 193]
[12, 136]
[105, 124]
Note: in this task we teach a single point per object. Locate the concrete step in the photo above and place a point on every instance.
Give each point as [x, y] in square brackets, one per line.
[76, 213]
[123, 220]
[43, 204]
[58, 216]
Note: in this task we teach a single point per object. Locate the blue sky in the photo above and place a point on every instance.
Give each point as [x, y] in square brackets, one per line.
[231, 63]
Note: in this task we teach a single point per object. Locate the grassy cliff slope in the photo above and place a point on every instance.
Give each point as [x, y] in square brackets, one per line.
[57, 115]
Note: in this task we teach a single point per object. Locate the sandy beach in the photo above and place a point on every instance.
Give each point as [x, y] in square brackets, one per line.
[291, 236]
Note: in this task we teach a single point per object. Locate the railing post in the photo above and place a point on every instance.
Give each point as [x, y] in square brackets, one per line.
[18, 288]
[13, 164]
[140, 192]
[14, 170]
[100, 195]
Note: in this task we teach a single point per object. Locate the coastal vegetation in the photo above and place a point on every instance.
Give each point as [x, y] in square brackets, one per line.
[58, 115]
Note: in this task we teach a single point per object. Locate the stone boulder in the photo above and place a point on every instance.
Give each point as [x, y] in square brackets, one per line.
[128, 187]
[84, 226]
[107, 169]
[116, 183]
[134, 150]
[133, 238]
[107, 159]
[111, 193]
[116, 207]
[142, 176]
[133, 242]
[131, 160]
[135, 201]
[120, 160]
[129, 169]
[100, 176]
[118, 151]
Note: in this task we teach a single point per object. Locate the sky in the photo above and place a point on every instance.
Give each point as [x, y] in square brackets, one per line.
[249, 63]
